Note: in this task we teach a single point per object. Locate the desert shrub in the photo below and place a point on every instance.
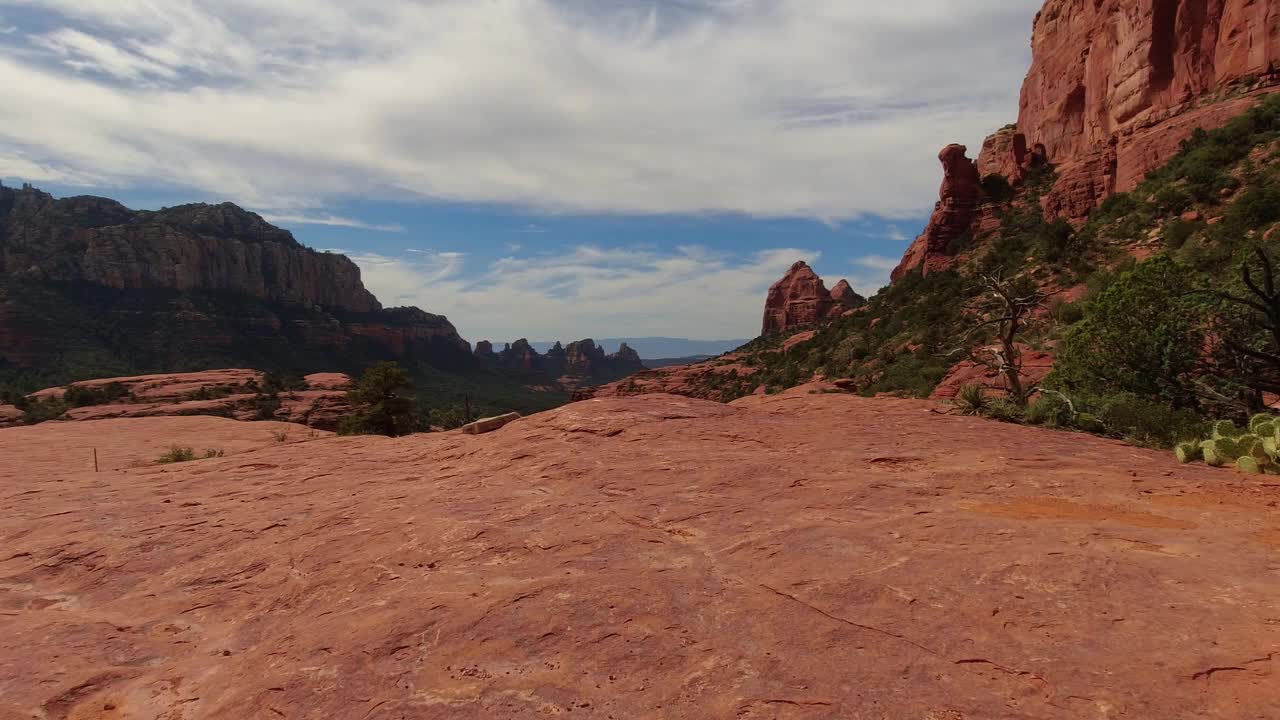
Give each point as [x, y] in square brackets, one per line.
[1004, 410]
[35, 412]
[381, 408]
[972, 400]
[289, 381]
[997, 188]
[1178, 231]
[214, 392]
[1065, 313]
[266, 405]
[177, 455]
[81, 396]
[1050, 410]
[209, 454]
[1147, 422]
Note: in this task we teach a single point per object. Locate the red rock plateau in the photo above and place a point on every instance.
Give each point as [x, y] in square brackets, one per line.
[231, 393]
[1114, 88]
[801, 298]
[783, 557]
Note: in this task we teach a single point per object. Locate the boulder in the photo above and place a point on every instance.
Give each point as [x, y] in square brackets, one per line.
[488, 425]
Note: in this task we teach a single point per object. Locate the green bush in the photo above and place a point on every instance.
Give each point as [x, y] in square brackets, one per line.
[381, 403]
[1142, 336]
[82, 396]
[177, 455]
[1050, 410]
[35, 412]
[1147, 422]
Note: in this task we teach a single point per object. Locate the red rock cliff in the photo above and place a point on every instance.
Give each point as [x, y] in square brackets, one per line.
[1116, 85]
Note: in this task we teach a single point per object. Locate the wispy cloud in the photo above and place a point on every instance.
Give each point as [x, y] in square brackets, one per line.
[877, 262]
[895, 233]
[764, 107]
[332, 220]
[587, 290]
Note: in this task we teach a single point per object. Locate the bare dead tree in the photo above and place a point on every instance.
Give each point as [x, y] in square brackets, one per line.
[1007, 310]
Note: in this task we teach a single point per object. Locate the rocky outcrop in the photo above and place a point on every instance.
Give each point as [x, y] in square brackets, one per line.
[88, 286]
[1116, 85]
[800, 298]
[723, 378]
[321, 401]
[953, 216]
[844, 296]
[787, 557]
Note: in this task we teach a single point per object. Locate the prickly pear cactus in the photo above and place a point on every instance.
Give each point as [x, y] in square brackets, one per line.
[1189, 452]
[1212, 456]
[1249, 465]
[1257, 421]
[1226, 429]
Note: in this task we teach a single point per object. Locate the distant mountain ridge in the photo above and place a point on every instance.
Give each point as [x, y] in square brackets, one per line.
[659, 348]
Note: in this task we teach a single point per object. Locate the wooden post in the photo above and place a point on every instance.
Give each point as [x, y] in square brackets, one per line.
[95, 459]
[466, 413]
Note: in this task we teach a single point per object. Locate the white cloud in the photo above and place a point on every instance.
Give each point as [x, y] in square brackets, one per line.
[895, 233]
[818, 108]
[587, 291]
[327, 219]
[877, 262]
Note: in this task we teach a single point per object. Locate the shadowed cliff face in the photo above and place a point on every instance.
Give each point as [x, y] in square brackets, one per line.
[194, 247]
[89, 287]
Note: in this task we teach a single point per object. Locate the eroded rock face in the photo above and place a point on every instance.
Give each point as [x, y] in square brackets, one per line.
[786, 557]
[1116, 85]
[218, 248]
[958, 201]
[800, 298]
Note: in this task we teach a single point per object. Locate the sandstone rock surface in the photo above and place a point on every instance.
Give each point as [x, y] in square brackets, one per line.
[706, 380]
[784, 557]
[230, 393]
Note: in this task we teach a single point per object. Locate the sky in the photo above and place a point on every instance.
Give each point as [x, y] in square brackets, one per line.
[550, 169]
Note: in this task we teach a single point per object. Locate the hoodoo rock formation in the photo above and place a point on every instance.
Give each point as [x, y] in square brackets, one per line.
[90, 284]
[1114, 88]
[953, 215]
[800, 298]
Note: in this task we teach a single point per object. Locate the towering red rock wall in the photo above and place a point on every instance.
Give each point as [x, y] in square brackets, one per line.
[1114, 88]
[1116, 85]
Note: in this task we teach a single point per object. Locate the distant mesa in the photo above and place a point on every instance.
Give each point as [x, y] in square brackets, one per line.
[800, 298]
